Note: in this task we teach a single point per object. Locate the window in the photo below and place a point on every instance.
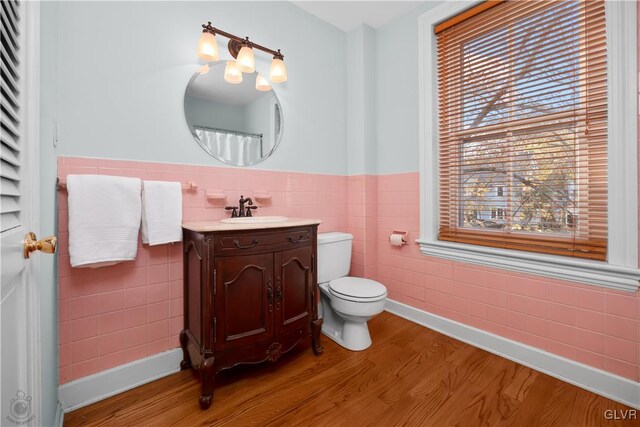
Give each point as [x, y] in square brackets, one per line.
[523, 108]
[528, 131]
[499, 213]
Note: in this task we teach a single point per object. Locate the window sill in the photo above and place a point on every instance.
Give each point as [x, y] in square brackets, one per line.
[574, 270]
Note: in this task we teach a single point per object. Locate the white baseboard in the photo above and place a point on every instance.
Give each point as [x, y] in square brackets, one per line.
[59, 420]
[595, 380]
[87, 390]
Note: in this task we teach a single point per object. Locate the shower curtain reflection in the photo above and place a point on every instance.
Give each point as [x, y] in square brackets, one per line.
[230, 146]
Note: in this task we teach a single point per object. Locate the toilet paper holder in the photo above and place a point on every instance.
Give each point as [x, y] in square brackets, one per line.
[393, 238]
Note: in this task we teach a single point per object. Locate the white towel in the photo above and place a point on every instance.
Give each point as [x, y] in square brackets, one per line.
[104, 219]
[161, 212]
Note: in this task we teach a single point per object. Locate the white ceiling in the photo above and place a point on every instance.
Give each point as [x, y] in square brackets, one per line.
[347, 15]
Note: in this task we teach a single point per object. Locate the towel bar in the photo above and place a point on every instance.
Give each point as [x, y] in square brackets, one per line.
[189, 185]
[62, 185]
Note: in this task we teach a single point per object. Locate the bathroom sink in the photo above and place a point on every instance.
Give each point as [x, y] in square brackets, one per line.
[254, 220]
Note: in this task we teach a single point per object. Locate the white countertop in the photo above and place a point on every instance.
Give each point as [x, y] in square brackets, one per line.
[206, 226]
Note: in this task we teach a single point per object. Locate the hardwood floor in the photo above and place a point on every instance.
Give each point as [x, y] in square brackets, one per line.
[410, 376]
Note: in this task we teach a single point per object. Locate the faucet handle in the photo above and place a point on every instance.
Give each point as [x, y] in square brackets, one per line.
[249, 208]
[233, 209]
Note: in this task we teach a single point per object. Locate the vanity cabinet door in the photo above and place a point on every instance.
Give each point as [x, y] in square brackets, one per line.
[293, 290]
[244, 300]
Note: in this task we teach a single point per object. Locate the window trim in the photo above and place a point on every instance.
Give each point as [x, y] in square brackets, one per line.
[621, 270]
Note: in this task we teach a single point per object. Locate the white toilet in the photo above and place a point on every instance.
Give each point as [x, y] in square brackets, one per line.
[347, 302]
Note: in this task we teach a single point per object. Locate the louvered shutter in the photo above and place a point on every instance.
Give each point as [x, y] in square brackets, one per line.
[10, 100]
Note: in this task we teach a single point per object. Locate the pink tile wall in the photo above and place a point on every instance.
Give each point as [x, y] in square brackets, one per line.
[114, 315]
[591, 325]
[362, 222]
[588, 324]
[118, 314]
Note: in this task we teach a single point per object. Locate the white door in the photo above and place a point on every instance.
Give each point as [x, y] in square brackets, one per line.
[19, 297]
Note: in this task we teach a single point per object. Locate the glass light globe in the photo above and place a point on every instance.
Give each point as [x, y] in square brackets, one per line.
[245, 60]
[232, 74]
[278, 73]
[262, 84]
[208, 47]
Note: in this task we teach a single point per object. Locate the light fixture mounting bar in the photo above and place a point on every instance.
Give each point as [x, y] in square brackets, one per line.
[207, 28]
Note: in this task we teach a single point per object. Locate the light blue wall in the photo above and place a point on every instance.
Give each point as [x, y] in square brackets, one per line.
[258, 117]
[123, 67]
[369, 81]
[113, 76]
[361, 95]
[355, 98]
[47, 279]
[205, 112]
[397, 93]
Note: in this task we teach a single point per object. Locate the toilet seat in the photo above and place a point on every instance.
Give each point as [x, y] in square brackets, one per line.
[357, 289]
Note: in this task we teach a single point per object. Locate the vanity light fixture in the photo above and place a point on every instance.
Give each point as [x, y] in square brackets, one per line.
[245, 60]
[242, 50]
[278, 72]
[204, 69]
[208, 47]
[232, 74]
[262, 84]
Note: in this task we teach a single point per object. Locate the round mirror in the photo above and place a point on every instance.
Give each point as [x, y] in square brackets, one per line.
[235, 123]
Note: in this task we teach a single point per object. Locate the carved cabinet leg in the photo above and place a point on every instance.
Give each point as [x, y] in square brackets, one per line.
[316, 327]
[206, 378]
[186, 359]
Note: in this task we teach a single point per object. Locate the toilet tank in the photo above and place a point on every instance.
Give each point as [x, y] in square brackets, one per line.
[334, 256]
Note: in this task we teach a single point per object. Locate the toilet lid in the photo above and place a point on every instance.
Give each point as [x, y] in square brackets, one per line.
[357, 289]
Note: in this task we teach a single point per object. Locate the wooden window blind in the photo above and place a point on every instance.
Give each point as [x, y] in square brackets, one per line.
[523, 127]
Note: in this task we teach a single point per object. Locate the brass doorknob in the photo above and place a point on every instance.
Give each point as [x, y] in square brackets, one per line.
[46, 245]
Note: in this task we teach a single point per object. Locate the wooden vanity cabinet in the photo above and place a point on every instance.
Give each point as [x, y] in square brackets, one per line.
[249, 296]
